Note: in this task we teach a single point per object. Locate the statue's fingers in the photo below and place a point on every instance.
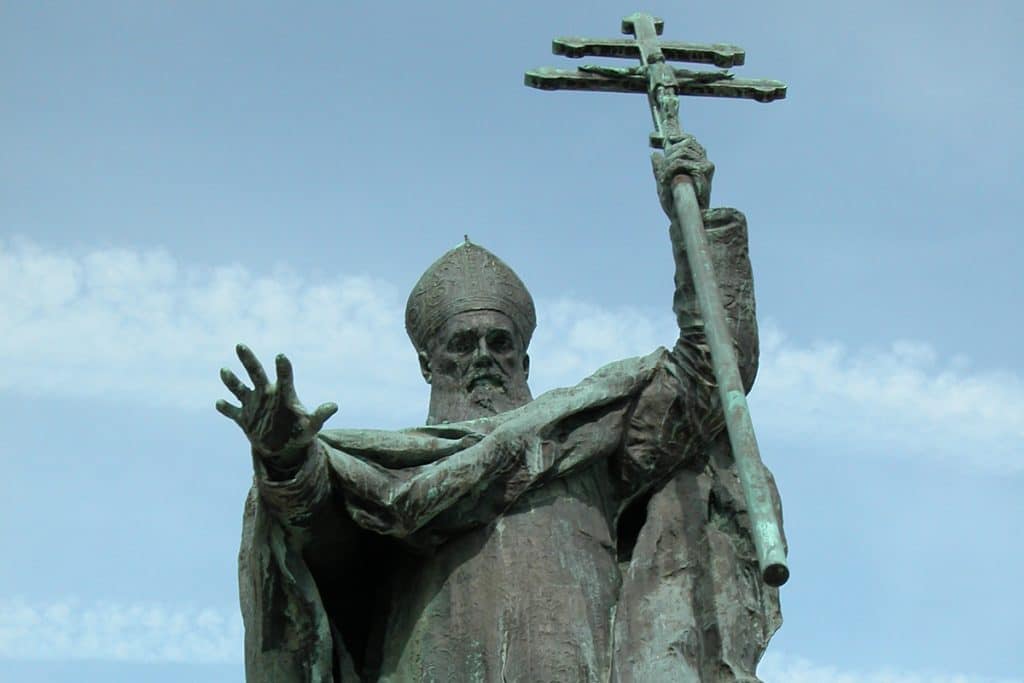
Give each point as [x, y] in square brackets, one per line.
[229, 411]
[252, 366]
[657, 163]
[285, 375]
[234, 385]
[323, 414]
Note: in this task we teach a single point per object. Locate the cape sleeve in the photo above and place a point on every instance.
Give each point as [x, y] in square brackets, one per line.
[678, 414]
[726, 231]
[286, 528]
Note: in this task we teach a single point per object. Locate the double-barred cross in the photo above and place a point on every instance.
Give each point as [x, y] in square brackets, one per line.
[654, 76]
[663, 84]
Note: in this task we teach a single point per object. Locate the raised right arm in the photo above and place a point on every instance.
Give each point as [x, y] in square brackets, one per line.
[726, 231]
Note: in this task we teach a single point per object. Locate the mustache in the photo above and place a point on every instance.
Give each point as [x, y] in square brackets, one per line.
[491, 376]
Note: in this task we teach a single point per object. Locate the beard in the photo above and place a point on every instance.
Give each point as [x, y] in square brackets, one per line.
[489, 397]
[483, 396]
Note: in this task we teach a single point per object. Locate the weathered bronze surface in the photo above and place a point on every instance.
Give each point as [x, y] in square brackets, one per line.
[611, 531]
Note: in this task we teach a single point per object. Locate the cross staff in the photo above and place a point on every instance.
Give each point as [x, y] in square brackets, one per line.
[663, 84]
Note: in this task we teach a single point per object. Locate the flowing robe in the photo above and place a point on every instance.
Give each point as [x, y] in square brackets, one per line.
[597, 533]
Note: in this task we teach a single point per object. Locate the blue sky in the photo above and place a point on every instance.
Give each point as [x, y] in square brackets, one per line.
[177, 177]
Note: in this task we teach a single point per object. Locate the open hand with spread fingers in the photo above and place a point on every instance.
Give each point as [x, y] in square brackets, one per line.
[271, 415]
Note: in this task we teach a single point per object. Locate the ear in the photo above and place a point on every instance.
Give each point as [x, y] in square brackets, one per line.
[425, 366]
[526, 366]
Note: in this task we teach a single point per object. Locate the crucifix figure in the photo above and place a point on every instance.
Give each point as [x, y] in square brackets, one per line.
[620, 530]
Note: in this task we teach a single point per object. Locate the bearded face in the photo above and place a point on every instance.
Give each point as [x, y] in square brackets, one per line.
[476, 367]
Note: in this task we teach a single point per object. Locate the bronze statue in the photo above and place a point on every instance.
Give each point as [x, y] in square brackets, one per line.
[595, 533]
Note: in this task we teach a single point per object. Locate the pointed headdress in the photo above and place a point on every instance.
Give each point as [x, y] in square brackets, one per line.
[467, 278]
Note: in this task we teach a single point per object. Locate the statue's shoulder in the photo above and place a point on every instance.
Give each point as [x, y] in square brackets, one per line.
[616, 379]
[637, 366]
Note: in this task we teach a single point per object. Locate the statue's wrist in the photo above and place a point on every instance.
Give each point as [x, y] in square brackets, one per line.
[284, 464]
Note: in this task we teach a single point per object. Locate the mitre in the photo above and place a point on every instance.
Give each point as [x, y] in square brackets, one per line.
[467, 278]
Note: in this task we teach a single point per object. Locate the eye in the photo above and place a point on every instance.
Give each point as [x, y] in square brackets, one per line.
[500, 341]
[463, 342]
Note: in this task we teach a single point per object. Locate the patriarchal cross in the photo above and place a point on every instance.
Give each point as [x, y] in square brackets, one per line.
[663, 85]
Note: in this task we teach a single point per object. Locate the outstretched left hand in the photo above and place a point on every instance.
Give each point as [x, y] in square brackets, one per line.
[277, 424]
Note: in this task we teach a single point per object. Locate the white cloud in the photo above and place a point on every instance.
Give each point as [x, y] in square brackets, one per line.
[136, 325]
[777, 668]
[129, 325]
[903, 399]
[134, 632]
[574, 338]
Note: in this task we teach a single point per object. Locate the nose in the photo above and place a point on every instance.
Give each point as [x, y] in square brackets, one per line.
[482, 354]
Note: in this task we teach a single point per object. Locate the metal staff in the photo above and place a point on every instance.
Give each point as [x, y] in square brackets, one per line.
[663, 84]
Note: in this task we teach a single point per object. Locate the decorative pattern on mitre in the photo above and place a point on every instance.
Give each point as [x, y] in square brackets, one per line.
[467, 278]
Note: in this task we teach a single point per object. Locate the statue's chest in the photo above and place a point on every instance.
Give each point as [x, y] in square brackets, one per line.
[531, 595]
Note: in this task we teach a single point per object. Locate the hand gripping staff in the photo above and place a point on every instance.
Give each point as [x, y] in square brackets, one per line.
[663, 84]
